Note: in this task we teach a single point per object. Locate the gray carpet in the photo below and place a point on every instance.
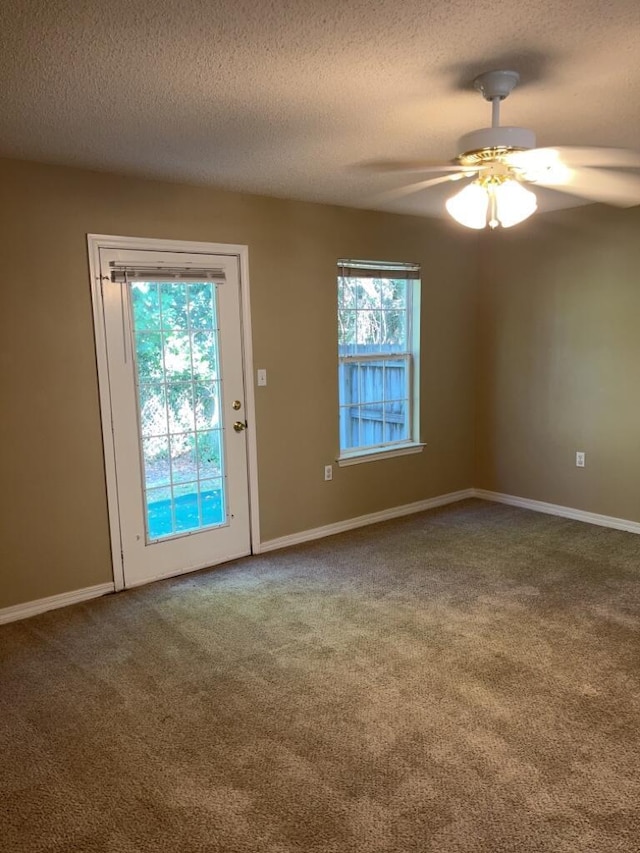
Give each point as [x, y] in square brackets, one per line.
[467, 679]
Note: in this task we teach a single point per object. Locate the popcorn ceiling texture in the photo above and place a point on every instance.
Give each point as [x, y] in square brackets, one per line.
[288, 98]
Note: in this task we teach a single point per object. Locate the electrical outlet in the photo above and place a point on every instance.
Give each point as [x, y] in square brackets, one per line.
[580, 457]
[328, 472]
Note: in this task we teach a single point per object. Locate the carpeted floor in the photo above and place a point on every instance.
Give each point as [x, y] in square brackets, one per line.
[466, 680]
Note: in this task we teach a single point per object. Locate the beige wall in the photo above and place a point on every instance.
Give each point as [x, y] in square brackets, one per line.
[54, 534]
[559, 360]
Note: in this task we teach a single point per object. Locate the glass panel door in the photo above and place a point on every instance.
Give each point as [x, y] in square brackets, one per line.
[176, 391]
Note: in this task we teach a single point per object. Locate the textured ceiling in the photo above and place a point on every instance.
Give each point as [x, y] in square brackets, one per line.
[291, 97]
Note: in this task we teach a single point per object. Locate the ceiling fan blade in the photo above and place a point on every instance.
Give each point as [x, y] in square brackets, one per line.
[537, 159]
[617, 158]
[615, 188]
[409, 189]
[414, 166]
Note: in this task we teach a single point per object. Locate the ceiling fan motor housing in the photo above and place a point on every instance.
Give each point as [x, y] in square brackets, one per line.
[488, 142]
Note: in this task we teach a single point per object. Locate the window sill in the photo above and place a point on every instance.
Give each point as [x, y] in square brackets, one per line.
[375, 455]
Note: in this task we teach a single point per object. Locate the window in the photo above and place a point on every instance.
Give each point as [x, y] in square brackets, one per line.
[378, 364]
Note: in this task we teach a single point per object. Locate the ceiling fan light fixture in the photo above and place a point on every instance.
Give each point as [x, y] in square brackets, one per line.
[470, 206]
[492, 203]
[513, 203]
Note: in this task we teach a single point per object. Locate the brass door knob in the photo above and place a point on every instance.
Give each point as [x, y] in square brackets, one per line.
[240, 425]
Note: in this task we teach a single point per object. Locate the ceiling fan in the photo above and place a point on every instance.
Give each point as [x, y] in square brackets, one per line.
[498, 163]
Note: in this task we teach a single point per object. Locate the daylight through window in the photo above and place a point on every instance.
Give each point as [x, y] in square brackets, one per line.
[378, 345]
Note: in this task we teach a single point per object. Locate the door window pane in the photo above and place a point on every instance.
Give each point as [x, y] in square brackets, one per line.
[180, 406]
[209, 453]
[159, 513]
[202, 310]
[184, 466]
[177, 356]
[186, 508]
[150, 356]
[146, 308]
[157, 467]
[212, 501]
[174, 309]
[207, 405]
[152, 405]
[203, 354]
[179, 395]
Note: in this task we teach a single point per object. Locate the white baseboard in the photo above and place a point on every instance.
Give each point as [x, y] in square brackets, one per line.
[442, 500]
[32, 608]
[562, 511]
[363, 520]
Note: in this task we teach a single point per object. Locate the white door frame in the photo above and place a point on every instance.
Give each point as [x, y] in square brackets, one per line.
[96, 242]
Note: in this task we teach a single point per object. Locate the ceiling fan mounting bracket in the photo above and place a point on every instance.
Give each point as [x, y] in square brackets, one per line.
[496, 84]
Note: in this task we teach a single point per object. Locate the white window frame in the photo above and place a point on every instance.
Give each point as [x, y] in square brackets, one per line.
[412, 443]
